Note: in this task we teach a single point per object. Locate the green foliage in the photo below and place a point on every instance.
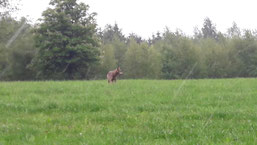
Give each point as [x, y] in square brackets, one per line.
[209, 29]
[220, 111]
[119, 50]
[234, 31]
[179, 56]
[66, 41]
[108, 61]
[112, 36]
[21, 54]
[154, 63]
[68, 47]
[112, 33]
[173, 55]
[112, 56]
[247, 53]
[16, 52]
[7, 7]
[136, 62]
[141, 61]
[215, 59]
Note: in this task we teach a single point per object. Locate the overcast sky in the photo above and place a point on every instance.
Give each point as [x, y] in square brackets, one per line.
[145, 17]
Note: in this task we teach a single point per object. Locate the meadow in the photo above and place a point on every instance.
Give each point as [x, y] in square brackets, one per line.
[147, 112]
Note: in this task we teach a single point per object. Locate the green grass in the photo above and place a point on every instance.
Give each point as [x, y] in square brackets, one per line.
[222, 111]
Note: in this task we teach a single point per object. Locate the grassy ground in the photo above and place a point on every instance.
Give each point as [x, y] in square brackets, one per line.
[222, 111]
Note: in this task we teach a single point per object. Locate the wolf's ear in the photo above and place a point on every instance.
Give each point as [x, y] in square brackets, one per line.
[118, 68]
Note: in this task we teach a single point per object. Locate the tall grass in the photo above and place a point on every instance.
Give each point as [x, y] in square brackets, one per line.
[221, 111]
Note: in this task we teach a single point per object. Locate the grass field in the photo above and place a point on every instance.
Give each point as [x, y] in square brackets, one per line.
[222, 111]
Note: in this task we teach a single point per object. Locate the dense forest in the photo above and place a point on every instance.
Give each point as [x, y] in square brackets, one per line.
[67, 44]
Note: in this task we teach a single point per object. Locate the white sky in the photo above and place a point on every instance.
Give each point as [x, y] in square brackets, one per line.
[145, 17]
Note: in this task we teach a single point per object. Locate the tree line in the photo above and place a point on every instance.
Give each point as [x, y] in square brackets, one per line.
[67, 44]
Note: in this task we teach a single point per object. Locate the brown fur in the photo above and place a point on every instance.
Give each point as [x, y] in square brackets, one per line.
[112, 75]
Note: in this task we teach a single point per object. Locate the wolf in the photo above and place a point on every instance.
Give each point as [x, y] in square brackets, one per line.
[112, 75]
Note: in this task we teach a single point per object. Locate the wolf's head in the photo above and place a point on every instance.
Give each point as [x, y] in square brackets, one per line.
[118, 71]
